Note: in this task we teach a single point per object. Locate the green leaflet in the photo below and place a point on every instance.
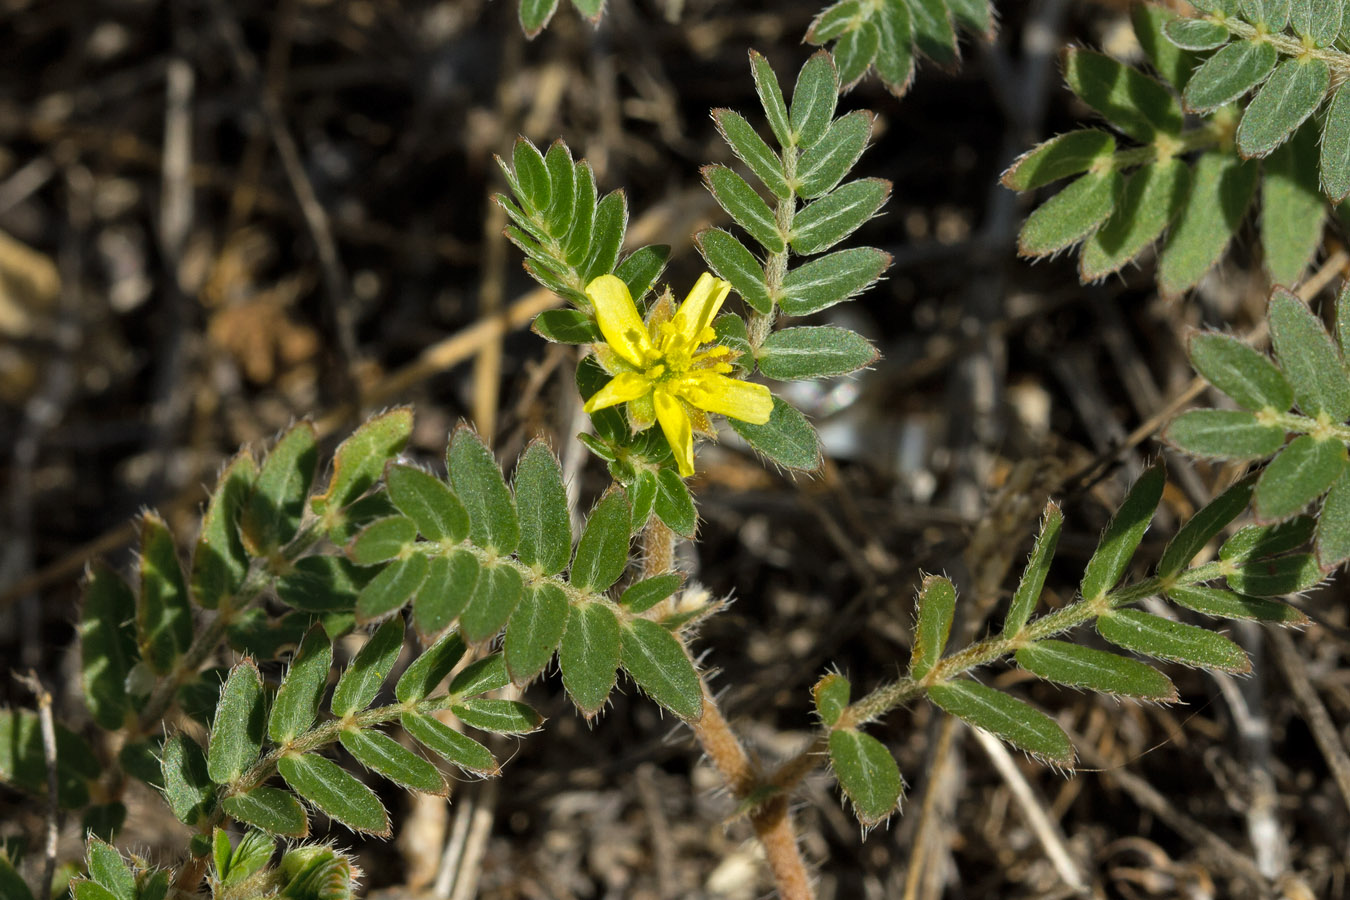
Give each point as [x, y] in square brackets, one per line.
[361, 680]
[611, 221]
[1223, 434]
[562, 182]
[642, 491]
[1222, 188]
[495, 595]
[895, 52]
[933, 32]
[1228, 74]
[975, 15]
[382, 540]
[640, 269]
[1196, 34]
[107, 868]
[831, 279]
[1096, 670]
[360, 460]
[1211, 601]
[1333, 525]
[428, 670]
[163, 614]
[771, 98]
[935, 607]
[787, 438]
[237, 730]
[272, 515]
[335, 792]
[1162, 638]
[825, 164]
[1303, 471]
[834, 20]
[854, 52]
[498, 716]
[602, 552]
[392, 588]
[831, 695]
[867, 773]
[445, 592]
[220, 561]
[1276, 577]
[827, 221]
[1335, 161]
[253, 853]
[814, 99]
[1128, 99]
[535, 186]
[578, 243]
[1071, 215]
[1244, 374]
[385, 756]
[478, 482]
[12, 886]
[798, 354]
[274, 811]
[746, 208]
[1029, 588]
[1319, 21]
[428, 502]
[534, 630]
[751, 149]
[1060, 157]
[591, 9]
[545, 527]
[661, 666]
[1292, 208]
[566, 326]
[447, 743]
[1173, 63]
[1151, 199]
[1005, 717]
[673, 503]
[1203, 527]
[297, 701]
[1257, 542]
[480, 677]
[732, 262]
[187, 785]
[107, 646]
[1122, 536]
[322, 584]
[589, 655]
[643, 595]
[1308, 358]
[1292, 93]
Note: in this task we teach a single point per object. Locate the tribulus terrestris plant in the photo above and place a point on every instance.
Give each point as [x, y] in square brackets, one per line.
[398, 609]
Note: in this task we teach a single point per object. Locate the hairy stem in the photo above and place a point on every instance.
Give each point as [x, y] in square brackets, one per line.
[772, 821]
[776, 266]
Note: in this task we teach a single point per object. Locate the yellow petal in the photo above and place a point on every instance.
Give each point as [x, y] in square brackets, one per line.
[678, 430]
[725, 396]
[697, 311]
[618, 318]
[621, 388]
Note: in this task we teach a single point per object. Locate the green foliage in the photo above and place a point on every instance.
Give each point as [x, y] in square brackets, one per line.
[1257, 94]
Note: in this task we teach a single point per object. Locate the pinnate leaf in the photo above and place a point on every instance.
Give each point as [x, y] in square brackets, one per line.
[771, 98]
[895, 50]
[163, 614]
[382, 540]
[1335, 161]
[855, 51]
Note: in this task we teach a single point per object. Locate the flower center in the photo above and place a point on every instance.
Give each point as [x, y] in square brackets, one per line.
[677, 354]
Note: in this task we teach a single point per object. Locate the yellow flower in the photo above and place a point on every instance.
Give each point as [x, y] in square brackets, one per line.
[662, 368]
